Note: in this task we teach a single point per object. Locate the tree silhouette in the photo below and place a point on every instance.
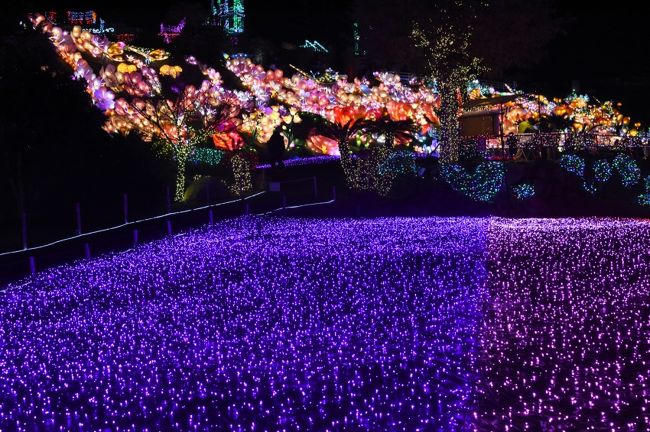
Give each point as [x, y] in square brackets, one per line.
[506, 33]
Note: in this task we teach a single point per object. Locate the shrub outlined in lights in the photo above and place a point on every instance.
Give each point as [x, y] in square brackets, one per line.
[626, 167]
[483, 185]
[602, 171]
[399, 163]
[524, 191]
[573, 164]
[644, 199]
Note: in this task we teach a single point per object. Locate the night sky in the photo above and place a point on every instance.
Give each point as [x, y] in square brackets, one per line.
[605, 49]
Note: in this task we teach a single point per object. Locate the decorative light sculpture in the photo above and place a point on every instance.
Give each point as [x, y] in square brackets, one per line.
[229, 14]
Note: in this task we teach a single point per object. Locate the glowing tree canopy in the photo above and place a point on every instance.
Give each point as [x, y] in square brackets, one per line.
[140, 93]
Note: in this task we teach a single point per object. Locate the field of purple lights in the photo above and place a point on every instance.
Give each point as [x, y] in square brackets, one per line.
[396, 324]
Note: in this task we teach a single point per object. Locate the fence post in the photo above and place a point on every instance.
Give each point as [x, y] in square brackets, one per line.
[125, 207]
[24, 223]
[284, 201]
[211, 216]
[315, 188]
[78, 214]
[135, 237]
[79, 230]
[32, 265]
[334, 193]
[169, 210]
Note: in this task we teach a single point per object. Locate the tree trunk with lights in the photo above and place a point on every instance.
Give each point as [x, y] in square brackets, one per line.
[449, 125]
[241, 170]
[446, 48]
[382, 181]
[181, 154]
[346, 161]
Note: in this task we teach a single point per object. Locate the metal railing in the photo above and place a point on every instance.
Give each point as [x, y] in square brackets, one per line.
[550, 145]
[127, 224]
[30, 251]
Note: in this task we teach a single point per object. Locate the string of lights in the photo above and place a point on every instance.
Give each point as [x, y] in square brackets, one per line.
[265, 323]
[207, 156]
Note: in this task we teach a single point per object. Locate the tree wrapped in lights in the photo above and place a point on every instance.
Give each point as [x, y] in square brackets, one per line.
[363, 171]
[445, 45]
[177, 116]
[343, 133]
[383, 156]
[180, 124]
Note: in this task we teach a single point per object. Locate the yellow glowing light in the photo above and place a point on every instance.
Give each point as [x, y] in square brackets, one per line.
[126, 68]
[172, 71]
[158, 54]
[114, 50]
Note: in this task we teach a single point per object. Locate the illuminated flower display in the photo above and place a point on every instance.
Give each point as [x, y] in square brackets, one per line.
[321, 144]
[341, 101]
[226, 137]
[576, 111]
[172, 71]
[145, 91]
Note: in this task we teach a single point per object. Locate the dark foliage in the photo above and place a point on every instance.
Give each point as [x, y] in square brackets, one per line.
[53, 149]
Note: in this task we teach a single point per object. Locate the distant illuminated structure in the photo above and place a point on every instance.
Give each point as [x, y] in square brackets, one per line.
[314, 46]
[357, 38]
[82, 18]
[229, 14]
[171, 32]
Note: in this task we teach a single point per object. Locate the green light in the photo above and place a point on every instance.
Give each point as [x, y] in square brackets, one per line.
[206, 156]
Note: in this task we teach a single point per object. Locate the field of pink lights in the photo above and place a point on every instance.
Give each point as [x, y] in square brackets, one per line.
[401, 324]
